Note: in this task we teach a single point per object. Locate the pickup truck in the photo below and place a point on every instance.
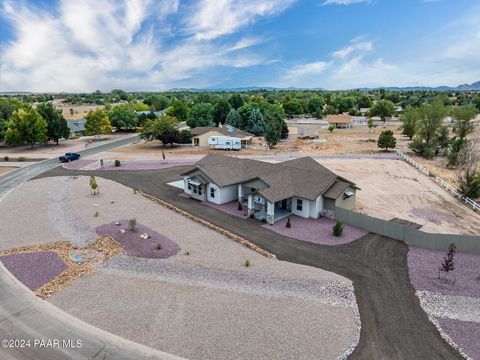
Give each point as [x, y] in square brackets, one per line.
[69, 157]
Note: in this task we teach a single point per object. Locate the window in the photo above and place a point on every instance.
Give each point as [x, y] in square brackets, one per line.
[299, 204]
[212, 192]
[189, 186]
[199, 191]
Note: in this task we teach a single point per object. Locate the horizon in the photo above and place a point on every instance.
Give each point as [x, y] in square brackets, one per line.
[55, 46]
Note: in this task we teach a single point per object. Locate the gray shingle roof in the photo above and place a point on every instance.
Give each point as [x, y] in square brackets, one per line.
[303, 177]
[336, 189]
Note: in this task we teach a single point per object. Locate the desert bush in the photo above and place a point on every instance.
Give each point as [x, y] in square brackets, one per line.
[93, 185]
[448, 261]
[188, 252]
[117, 163]
[158, 246]
[331, 128]
[247, 263]
[288, 224]
[6, 158]
[337, 229]
[132, 225]
[21, 158]
[97, 214]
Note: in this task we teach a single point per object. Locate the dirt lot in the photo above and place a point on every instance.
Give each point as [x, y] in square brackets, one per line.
[79, 111]
[6, 169]
[392, 188]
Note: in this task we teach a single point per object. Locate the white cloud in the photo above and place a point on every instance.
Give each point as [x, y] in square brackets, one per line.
[105, 44]
[313, 68]
[354, 46]
[212, 19]
[345, 2]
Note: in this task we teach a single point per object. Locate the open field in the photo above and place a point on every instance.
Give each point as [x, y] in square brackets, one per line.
[6, 169]
[393, 188]
[79, 111]
[260, 311]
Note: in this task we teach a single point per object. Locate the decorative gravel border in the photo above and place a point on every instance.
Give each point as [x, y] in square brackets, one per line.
[77, 164]
[229, 208]
[135, 245]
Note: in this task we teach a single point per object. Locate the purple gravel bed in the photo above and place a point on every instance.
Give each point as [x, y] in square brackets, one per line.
[423, 270]
[230, 208]
[34, 269]
[465, 334]
[77, 164]
[134, 245]
[318, 231]
[144, 165]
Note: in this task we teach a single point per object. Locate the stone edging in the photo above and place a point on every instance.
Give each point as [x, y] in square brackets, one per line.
[208, 224]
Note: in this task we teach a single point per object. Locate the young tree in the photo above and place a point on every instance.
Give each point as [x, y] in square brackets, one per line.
[429, 120]
[57, 125]
[331, 128]
[97, 123]
[27, 127]
[222, 109]
[179, 110]
[462, 120]
[370, 125]
[449, 260]
[409, 122]
[234, 119]
[201, 114]
[272, 134]
[443, 139]
[382, 108]
[386, 140]
[256, 123]
[123, 117]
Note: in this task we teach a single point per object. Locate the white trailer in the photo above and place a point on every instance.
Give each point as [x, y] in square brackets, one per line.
[225, 142]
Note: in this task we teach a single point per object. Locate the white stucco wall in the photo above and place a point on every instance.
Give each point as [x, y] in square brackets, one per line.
[348, 203]
[185, 185]
[222, 195]
[305, 208]
[316, 207]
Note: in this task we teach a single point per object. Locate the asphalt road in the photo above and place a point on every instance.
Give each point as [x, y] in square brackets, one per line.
[394, 326]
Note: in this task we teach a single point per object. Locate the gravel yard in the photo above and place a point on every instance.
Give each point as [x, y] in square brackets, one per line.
[465, 334]
[205, 323]
[34, 269]
[230, 208]
[318, 231]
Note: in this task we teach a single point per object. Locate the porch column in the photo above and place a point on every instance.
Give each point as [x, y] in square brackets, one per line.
[251, 209]
[240, 193]
[270, 212]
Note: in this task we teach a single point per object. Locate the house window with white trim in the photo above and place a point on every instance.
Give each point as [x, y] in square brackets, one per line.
[299, 204]
[212, 192]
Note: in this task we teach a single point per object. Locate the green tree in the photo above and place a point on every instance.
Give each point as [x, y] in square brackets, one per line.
[157, 102]
[382, 108]
[272, 134]
[315, 104]
[7, 108]
[57, 125]
[201, 114]
[256, 123]
[234, 118]
[469, 184]
[179, 110]
[409, 122]
[123, 117]
[364, 101]
[245, 110]
[293, 107]
[370, 125]
[443, 139]
[97, 123]
[222, 108]
[26, 127]
[386, 140]
[462, 120]
[430, 117]
[236, 100]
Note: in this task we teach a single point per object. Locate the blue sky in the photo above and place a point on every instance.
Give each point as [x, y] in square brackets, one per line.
[72, 45]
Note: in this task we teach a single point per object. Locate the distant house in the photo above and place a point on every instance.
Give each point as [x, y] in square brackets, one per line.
[270, 191]
[156, 113]
[364, 111]
[200, 135]
[340, 121]
[77, 127]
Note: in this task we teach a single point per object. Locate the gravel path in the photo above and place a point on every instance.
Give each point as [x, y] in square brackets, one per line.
[34, 269]
[211, 324]
[64, 218]
[452, 307]
[333, 293]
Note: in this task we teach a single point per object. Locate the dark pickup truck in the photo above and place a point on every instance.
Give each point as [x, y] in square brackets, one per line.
[69, 157]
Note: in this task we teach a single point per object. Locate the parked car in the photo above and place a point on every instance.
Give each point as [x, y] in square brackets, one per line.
[69, 157]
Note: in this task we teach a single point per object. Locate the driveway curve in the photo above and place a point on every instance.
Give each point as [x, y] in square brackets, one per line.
[393, 324]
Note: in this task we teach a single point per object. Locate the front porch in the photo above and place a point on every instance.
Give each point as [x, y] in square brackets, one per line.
[264, 210]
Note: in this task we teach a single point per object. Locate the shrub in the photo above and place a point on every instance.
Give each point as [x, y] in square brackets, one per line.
[386, 140]
[331, 128]
[117, 163]
[6, 158]
[21, 158]
[337, 229]
[97, 214]
[93, 185]
[188, 252]
[240, 208]
[448, 261]
[158, 246]
[132, 225]
[288, 224]
[247, 263]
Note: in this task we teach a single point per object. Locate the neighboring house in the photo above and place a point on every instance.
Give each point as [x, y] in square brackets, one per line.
[200, 135]
[156, 113]
[77, 127]
[270, 192]
[340, 121]
[364, 111]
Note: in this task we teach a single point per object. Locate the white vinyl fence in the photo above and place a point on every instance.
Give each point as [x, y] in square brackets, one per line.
[474, 205]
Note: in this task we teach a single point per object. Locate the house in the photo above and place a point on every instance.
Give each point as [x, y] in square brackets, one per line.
[364, 111]
[270, 191]
[200, 135]
[77, 127]
[340, 121]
